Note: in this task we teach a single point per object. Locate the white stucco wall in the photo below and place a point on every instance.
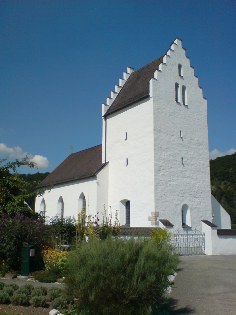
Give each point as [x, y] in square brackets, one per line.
[220, 216]
[70, 193]
[181, 163]
[102, 190]
[135, 181]
[217, 244]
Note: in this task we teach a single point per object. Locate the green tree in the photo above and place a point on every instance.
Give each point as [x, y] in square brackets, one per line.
[14, 190]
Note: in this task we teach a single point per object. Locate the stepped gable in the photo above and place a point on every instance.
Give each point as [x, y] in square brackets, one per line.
[135, 88]
[76, 166]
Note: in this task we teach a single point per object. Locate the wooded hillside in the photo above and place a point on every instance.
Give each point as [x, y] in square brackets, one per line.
[223, 183]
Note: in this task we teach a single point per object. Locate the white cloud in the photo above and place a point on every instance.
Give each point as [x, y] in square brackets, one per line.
[18, 153]
[40, 161]
[216, 153]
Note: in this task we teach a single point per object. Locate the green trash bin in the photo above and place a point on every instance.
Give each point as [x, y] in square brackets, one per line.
[27, 254]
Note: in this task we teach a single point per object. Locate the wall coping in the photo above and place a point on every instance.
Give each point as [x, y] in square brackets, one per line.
[226, 232]
[145, 231]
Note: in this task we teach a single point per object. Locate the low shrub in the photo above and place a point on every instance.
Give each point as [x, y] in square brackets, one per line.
[9, 290]
[4, 297]
[160, 235]
[4, 268]
[55, 261]
[39, 291]
[54, 293]
[25, 289]
[45, 276]
[20, 299]
[59, 303]
[2, 285]
[39, 301]
[118, 276]
[14, 286]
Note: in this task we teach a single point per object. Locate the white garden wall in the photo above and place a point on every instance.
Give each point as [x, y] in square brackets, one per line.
[220, 217]
[216, 244]
[102, 190]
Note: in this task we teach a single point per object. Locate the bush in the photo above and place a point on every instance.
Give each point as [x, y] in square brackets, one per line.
[2, 285]
[39, 301]
[3, 268]
[45, 276]
[59, 302]
[160, 235]
[117, 276]
[14, 231]
[14, 286]
[9, 290]
[54, 293]
[20, 299]
[39, 291]
[63, 230]
[25, 289]
[55, 261]
[4, 297]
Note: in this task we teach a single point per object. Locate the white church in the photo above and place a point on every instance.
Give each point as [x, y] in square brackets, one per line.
[152, 167]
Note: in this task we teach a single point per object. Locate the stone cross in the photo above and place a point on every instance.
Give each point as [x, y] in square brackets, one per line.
[153, 218]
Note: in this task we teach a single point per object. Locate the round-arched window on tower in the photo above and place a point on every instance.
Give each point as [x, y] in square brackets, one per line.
[186, 216]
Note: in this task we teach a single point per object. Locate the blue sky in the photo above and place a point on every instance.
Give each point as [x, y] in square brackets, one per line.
[59, 60]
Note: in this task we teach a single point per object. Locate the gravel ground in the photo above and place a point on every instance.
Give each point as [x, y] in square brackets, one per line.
[29, 280]
[205, 285]
[21, 310]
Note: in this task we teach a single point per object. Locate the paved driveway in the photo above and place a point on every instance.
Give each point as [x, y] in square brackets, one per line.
[205, 285]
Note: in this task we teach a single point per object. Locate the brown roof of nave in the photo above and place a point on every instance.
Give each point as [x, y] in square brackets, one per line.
[76, 166]
[135, 88]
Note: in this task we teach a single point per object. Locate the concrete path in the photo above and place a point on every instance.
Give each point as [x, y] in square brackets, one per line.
[205, 285]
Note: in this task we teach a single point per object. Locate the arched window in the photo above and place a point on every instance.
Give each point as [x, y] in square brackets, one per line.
[177, 92]
[186, 216]
[42, 210]
[184, 95]
[82, 203]
[60, 208]
[125, 212]
[180, 70]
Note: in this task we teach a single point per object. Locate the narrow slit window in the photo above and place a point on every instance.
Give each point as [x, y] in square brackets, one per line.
[181, 134]
[184, 95]
[180, 70]
[177, 92]
[127, 162]
[126, 136]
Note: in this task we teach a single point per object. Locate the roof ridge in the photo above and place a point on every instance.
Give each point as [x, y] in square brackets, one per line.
[97, 145]
[151, 62]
